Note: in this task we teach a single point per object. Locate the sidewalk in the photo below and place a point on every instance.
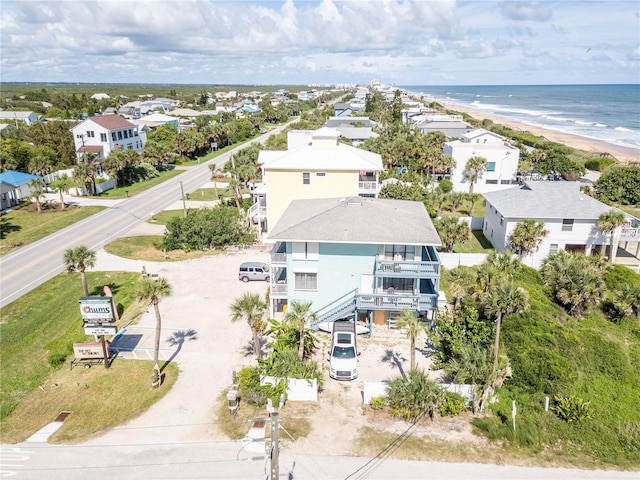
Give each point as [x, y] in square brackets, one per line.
[87, 201]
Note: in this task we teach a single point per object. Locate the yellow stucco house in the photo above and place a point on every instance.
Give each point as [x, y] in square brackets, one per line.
[315, 165]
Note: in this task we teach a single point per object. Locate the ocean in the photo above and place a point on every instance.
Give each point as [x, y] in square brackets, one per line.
[603, 112]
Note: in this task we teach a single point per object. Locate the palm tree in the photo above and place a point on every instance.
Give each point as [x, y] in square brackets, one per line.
[151, 291]
[504, 300]
[252, 308]
[506, 262]
[216, 174]
[61, 185]
[37, 192]
[472, 170]
[78, 259]
[451, 231]
[458, 279]
[575, 280]
[413, 325]
[301, 314]
[627, 300]
[527, 236]
[608, 223]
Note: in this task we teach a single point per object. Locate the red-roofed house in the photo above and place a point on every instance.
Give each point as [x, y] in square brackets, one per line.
[101, 134]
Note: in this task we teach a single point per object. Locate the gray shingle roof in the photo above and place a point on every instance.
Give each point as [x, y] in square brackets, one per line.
[356, 220]
[546, 200]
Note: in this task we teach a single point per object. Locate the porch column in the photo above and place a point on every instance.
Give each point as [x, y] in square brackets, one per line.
[587, 249]
[614, 245]
[638, 249]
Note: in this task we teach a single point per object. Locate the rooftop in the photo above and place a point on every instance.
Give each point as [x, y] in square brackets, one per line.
[546, 199]
[356, 220]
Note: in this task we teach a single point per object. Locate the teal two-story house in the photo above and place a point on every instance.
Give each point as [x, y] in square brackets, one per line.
[367, 257]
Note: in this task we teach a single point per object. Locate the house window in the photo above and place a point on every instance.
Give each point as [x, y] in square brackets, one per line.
[91, 134]
[553, 248]
[305, 251]
[306, 281]
[397, 285]
[491, 182]
[103, 137]
[321, 174]
[306, 178]
[505, 182]
[120, 135]
[130, 133]
[491, 167]
[399, 252]
[567, 225]
[113, 136]
[126, 135]
[501, 220]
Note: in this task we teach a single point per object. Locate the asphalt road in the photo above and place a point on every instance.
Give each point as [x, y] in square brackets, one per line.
[26, 268]
[227, 460]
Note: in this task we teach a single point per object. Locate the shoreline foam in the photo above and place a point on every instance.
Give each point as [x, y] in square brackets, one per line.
[621, 153]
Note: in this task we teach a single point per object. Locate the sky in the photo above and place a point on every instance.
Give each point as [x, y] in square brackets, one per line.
[294, 42]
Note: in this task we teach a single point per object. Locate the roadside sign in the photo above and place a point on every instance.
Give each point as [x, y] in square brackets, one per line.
[96, 309]
[100, 329]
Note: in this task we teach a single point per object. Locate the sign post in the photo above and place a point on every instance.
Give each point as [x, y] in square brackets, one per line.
[97, 311]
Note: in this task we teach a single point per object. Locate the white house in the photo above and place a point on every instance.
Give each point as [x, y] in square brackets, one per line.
[569, 215]
[101, 134]
[502, 161]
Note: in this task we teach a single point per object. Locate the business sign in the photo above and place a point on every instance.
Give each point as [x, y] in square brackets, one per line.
[96, 309]
[86, 351]
[100, 329]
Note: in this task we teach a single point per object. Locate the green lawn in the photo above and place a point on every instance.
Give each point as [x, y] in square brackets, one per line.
[148, 248]
[161, 218]
[130, 190]
[38, 330]
[635, 211]
[477, 243]
[23, 226]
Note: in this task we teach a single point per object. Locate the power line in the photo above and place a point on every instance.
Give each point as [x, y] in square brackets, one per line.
[372, 464]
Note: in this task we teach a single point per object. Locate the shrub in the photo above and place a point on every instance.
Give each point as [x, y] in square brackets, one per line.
[445, 185]
[252, 392]
[413, 395]
[452, 404]
[599, 164]
[572, 409]
[378, 403]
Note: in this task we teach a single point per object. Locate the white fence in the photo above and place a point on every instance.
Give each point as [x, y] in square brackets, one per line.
[453, 260]
[377, 389]
[298, 389]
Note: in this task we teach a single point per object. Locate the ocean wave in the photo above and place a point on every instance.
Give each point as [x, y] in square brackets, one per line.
[622, 129]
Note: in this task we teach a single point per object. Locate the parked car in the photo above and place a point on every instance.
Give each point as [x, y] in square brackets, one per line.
[253, 271]
[343, 356]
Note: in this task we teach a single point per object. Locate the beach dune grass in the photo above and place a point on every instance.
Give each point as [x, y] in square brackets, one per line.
[23, 226]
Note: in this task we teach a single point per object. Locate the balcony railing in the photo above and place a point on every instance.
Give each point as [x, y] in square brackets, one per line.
[407, 269]
[630, 234]
[278, 289]
[368, 186]
[278, 258]
[396, 302]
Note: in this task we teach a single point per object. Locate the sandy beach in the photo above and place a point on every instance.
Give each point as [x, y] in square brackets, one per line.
[622, 154]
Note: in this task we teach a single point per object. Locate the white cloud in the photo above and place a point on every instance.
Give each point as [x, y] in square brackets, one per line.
[295, 41]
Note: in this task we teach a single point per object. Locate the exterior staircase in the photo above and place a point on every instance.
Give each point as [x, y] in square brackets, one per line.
[339, 308]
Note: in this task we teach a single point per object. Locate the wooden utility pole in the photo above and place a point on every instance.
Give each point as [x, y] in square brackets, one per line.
[275, 446]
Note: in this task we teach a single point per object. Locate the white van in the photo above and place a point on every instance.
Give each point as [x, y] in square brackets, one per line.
[253, 271]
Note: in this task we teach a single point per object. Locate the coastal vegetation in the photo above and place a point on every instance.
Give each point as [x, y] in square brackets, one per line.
[591, 415]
